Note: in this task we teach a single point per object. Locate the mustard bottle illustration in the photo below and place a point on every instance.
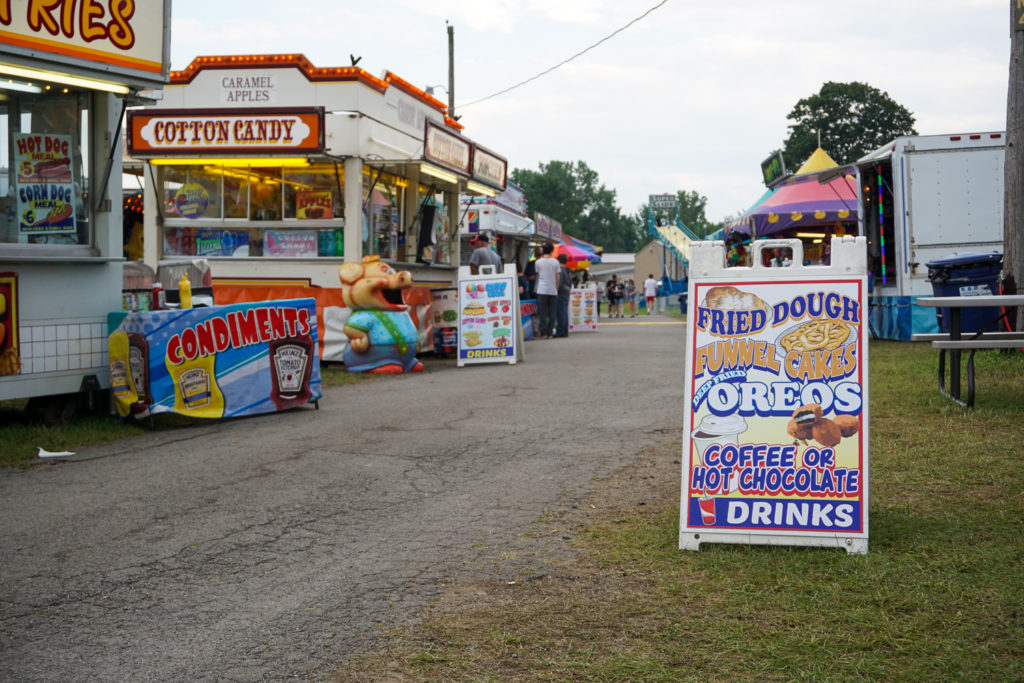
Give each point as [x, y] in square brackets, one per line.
[195, 387]
[121, 383]
[185, 292]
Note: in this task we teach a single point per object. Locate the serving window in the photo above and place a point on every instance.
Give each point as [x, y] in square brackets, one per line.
[217, 210]
[44, 158]
[383, 196]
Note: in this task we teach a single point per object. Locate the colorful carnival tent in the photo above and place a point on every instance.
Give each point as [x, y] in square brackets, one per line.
[819, 194]
[581, 254]
[582, 244]
[577, 259]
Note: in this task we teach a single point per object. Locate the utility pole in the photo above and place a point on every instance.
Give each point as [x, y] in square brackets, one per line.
[451, 70]
[1013, 178]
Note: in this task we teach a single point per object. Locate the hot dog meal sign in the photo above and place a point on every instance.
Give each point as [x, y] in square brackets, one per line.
[45, 187]
[775, 444]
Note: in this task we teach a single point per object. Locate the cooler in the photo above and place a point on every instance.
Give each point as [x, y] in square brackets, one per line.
[969, 274]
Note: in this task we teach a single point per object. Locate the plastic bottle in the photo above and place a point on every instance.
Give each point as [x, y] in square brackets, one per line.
[184, 292]
[158, 302]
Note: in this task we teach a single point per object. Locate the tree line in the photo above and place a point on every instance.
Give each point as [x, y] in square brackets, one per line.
[850, 119]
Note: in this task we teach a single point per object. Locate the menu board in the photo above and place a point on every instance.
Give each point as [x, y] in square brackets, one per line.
[775, 447]
[44, 182]
[488, 316]
[583, 309]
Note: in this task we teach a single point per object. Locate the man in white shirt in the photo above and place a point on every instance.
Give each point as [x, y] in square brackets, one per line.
[548, 277]
[650, 292]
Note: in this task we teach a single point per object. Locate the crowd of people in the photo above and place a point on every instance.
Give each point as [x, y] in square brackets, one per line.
[549, 281]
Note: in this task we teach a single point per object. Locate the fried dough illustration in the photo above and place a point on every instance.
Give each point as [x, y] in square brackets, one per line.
[826, 432]
[848, 424]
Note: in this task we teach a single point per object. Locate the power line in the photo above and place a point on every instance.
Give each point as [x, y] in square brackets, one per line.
[563, 63]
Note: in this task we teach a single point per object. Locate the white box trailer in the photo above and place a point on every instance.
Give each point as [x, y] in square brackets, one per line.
[924, 198]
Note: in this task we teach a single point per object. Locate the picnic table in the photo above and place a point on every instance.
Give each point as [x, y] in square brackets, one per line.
[956, 343]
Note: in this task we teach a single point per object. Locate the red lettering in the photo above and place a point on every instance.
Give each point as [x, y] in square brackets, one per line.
[304, 327]
[290, 316]
[189, 344]
[277, 323]
[221, 334]
[236, 340]
[263, 323]
[174, 350]
[247, 328]
[204, 336]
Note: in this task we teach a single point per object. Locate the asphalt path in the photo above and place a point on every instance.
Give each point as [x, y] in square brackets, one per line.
[278, 546]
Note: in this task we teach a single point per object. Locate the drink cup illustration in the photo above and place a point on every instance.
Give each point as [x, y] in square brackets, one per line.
[707, 509]
[718, 429]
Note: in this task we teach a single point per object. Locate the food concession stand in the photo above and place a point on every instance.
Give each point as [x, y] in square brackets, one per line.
[65, 78]
[276, 171]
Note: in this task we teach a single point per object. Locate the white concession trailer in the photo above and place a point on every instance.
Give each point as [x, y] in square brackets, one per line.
[62, 98]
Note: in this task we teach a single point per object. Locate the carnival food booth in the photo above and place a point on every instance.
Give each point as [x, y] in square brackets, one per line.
[817, 202]
[65, 77]
[505, 217]
[276, 171]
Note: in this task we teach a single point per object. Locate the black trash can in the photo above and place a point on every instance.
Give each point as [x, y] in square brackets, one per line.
[682, 303]
[968, 274]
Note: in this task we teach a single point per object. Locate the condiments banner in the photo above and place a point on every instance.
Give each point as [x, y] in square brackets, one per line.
[218, 361]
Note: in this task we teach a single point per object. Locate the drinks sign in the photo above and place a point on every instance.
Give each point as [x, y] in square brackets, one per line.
[775, 447]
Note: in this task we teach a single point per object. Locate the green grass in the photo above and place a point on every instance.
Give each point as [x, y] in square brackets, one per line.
[939, 596]
[22, 434]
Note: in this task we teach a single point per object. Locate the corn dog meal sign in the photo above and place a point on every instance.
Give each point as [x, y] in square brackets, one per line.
[44, 183]
[775, 444]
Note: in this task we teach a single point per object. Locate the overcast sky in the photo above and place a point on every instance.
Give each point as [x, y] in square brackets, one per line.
[691, 97]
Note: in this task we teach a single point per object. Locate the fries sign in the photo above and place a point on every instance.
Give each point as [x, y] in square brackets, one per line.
[776, 419]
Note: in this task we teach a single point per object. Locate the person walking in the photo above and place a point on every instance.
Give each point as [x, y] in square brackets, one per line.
[548, 276]
[650, 291]
[530, 274]
[600, 294]
[614, 291]
[564, 288]
[631, 298]
[482, 254]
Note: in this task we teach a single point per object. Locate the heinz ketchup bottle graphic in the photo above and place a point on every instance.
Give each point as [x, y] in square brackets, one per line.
[291, 362]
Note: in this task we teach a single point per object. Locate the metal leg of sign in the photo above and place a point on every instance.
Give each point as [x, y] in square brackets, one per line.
[853, 546]
[520, 334]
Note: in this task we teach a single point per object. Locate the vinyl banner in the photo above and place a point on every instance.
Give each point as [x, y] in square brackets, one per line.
[776, 415]
[217, 361]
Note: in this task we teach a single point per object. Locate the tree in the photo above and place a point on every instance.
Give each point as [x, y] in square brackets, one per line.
[573, 195]
[852, 118]
[1013, 164]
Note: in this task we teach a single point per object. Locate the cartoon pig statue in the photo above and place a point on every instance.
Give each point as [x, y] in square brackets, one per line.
[382, 338]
